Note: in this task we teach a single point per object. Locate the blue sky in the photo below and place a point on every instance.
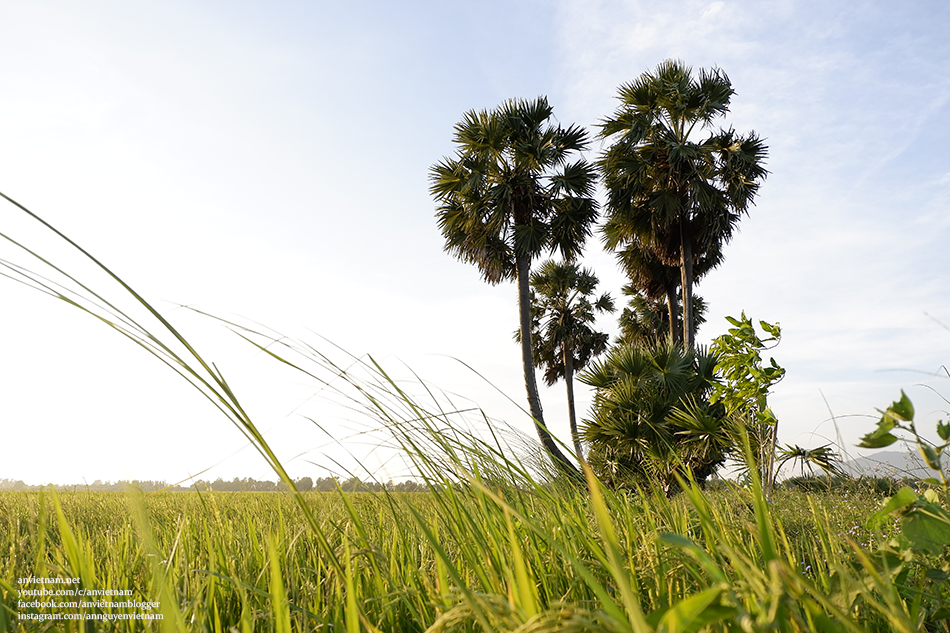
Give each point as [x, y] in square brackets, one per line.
[270, 161]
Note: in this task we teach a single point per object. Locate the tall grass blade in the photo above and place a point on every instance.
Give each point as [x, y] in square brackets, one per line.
[280, 612]
[621, 576]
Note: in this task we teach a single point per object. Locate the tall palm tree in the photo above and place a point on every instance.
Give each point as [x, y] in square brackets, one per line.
[673, 192]
[515, 189]
[562, 313]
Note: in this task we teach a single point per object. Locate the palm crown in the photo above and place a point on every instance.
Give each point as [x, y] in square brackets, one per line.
[668, 191]
[562, 315]
[512, 189]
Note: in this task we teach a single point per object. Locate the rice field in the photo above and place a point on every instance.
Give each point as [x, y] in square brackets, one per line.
[473, 556]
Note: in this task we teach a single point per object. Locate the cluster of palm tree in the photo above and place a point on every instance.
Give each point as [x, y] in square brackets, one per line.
[519, 187]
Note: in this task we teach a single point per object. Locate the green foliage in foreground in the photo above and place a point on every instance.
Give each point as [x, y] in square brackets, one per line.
[925, 521]
[744, 388]
[469, 558]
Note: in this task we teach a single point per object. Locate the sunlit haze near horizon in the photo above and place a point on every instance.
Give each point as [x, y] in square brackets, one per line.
[269, 162]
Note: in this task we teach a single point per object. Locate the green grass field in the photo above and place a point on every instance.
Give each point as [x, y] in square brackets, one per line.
[465, 557]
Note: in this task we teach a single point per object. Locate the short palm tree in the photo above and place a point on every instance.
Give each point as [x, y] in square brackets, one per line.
[651, 416]
[563, 311]
[515, 189]
[669, 190]
[823, 457]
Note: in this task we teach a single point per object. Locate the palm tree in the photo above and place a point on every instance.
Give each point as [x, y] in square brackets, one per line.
[668, 191]
[823, 457]
[653, 280]
[646, 321]
[515, 189]
[656, 281]
[561, 318]
[651, 415]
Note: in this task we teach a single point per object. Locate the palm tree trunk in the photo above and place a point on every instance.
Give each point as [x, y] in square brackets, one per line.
[561, 462]
[686, 270]
[672, 305]
[572, 416]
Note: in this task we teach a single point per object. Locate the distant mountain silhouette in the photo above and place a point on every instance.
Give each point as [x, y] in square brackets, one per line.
[905, 463]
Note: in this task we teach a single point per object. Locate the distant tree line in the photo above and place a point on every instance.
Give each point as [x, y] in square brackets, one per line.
[246, 484]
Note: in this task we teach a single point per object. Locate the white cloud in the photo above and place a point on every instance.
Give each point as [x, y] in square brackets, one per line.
[713, 9]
